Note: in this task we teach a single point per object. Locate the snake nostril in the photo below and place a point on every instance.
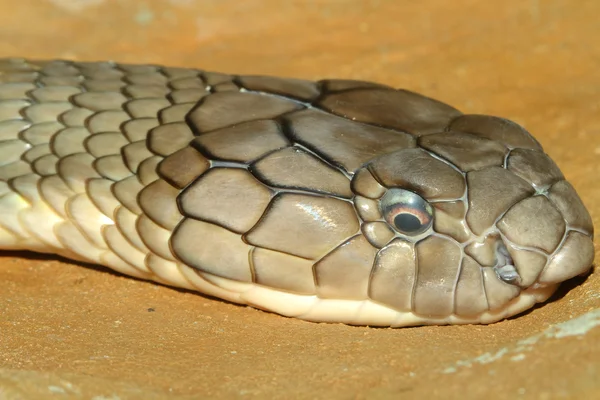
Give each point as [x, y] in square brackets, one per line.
[505, 266]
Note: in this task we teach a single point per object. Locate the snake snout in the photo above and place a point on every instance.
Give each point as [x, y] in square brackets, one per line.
[573, 257]
[547, 238]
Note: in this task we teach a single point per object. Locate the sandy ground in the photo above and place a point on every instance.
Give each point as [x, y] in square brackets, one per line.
[74, 332]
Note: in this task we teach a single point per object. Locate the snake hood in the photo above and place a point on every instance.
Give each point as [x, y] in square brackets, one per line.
[336, 200]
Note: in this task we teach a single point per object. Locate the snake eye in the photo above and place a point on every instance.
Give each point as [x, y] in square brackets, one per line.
[406, 212]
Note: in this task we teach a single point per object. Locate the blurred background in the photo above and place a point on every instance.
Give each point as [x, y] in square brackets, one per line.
[514, 51]
[73, 332]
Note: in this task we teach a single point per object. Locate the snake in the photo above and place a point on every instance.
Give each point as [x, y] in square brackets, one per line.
[337, 200]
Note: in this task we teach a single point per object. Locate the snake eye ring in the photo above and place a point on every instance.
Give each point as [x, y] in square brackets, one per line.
[406, 212]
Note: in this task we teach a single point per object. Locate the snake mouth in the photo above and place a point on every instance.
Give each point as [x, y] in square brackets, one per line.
[492, 252]
[505, 267]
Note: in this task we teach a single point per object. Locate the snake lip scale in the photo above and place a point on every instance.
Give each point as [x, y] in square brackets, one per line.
[333, 201]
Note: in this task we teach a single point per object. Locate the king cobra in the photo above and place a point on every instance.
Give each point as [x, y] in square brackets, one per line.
[330, 201]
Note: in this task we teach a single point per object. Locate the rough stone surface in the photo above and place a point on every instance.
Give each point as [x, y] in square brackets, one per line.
[67, 331]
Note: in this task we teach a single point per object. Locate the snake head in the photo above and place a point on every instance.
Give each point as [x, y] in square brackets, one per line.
[370, 206]
[478, 219]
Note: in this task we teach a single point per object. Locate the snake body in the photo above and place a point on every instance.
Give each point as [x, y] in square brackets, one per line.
[336, 201]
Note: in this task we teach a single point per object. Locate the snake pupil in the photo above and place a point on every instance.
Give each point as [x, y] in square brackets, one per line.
[407, 222]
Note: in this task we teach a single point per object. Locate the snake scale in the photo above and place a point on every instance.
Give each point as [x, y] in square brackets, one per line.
[333, 201]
